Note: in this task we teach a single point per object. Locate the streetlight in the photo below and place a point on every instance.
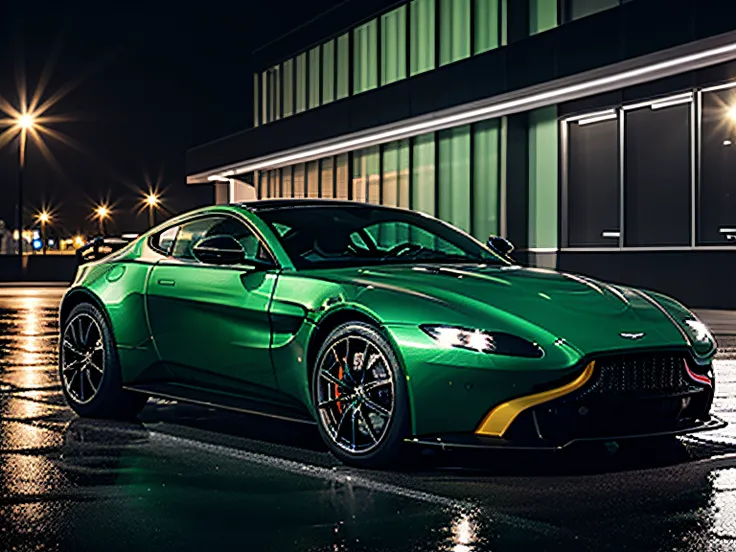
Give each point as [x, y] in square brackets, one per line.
[151, 202]
[24, 123]
[44, 218]
[102, 212]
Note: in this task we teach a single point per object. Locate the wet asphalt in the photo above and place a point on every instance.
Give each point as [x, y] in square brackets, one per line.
[192, 478]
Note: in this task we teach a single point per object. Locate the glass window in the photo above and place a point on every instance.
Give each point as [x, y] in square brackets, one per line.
[454, 30]
[485, 178]
[163, 241]
[593, 195]
[275, 181]
[359, 179]
[366, 176]
[301, 83]
[393, 45]
[423, 174]
[193, 232]
[288, 72]
[262, 184]
[341, 191]
[327, 167]
[454, 176]
[717, 197]
[275, 93]
[256, 100]
[575, 9]
[358, 235]
[343, 66]
[365, 54]
[328, 71]
[287, 189]
[265, 104]
[396, 174]
[542, 15]
[373, 174]
[543, 177]
[657, 184]
[300, 178]
[487, 25]
[313, 179]
[314, 78]
[421, 36]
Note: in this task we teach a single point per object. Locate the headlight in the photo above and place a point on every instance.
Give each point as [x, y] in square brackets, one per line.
[699, 331]
[701, 335]
[496, 343]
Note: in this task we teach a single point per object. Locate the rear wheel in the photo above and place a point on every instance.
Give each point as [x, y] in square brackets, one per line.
[359, 394]
[89, 368]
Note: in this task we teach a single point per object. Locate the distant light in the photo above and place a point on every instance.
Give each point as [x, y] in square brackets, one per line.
[37, 244]
[78, 241]
[26, 121]
[102, 211]
[727, 142]
[44, 217]
[152, 200]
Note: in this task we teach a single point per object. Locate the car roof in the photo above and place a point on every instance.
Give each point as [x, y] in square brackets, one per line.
[288, 203]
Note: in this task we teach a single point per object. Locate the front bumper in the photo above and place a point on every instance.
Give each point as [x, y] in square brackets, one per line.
[474, 441]
[605, 397]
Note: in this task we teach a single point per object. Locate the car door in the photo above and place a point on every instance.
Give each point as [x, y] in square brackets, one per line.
[210, 321]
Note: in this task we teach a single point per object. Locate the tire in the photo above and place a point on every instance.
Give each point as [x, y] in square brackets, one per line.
[89, 368]
[352, 398]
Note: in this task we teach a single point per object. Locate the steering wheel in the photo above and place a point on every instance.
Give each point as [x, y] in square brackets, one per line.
[404, 248]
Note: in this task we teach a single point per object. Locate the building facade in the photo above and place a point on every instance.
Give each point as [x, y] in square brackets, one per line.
[599, 136]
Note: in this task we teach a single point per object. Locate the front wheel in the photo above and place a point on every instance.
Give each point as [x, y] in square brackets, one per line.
[89, 368]
[360, 398]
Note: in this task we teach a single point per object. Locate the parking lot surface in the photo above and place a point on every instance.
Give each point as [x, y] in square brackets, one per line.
[192, 478]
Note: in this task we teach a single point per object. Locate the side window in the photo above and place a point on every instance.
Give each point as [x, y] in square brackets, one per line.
[192, 232]
[163, 241]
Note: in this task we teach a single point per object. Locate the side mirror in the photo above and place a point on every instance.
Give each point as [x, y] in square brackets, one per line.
[500, 245]
[219, 250]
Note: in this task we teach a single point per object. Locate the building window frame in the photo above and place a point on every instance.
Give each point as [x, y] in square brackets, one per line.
[695, 142]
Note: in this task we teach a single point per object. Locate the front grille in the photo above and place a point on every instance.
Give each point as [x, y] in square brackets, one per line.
[656, 374]
[627, 395]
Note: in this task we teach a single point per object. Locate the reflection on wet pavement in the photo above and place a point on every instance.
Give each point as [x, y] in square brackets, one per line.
[189, 478]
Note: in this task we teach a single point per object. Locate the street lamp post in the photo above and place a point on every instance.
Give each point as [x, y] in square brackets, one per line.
[102, 212]
[24, 122]
[152, 203]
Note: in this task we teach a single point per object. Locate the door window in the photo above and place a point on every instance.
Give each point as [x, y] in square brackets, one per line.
[163, 241]
[193, 232]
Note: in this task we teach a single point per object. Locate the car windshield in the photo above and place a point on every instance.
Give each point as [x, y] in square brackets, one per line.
[317, 236]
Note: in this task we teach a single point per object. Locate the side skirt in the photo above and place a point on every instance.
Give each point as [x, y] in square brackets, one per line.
[213, 399]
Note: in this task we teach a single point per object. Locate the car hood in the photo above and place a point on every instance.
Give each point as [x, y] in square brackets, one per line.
[535, 303]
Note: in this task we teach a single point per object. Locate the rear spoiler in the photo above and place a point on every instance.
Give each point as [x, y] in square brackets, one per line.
[100, 247]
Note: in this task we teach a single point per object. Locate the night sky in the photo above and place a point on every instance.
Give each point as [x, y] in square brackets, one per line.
[145, 84]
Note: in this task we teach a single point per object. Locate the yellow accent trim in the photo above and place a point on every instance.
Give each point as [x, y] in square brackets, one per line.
[498, 420]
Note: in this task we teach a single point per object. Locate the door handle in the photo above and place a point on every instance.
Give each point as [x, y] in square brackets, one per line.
[166, 283]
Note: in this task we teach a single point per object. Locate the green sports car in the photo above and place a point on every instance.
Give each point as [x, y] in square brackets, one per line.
[386, 327]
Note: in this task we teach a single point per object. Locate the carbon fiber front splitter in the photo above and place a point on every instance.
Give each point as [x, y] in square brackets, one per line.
[471, 440]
